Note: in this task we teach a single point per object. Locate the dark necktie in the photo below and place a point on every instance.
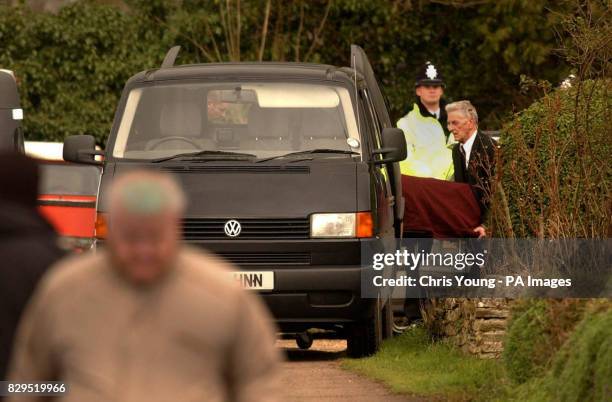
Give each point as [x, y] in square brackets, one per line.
[463, 158]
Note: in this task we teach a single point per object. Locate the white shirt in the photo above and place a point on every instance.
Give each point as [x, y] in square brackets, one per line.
[467, 147]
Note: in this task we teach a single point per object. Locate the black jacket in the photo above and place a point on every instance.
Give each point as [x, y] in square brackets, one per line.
[480, 171]
[28, 246]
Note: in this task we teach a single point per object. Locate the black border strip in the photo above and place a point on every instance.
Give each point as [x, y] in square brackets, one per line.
[66, 203]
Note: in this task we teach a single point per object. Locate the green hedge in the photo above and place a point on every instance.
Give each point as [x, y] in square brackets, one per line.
[555, 169]
[73, 65]
[582, 370]
[527, 348]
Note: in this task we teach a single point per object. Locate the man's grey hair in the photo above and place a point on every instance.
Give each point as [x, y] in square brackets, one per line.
[146, 192]
[465, 107]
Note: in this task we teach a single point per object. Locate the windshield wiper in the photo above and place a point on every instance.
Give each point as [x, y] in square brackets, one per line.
[240, 155]
[312, 151]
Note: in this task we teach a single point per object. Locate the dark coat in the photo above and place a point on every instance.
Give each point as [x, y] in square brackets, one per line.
[28, 246]
[480, 171]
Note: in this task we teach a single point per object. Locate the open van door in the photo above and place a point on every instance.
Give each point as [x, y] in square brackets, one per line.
[11, 114]
[360, 62]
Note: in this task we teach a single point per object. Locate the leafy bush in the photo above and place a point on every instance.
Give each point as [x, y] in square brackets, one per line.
[582, 370]
[526, 349]
[537, 330]
[555, 173]
[71, 66]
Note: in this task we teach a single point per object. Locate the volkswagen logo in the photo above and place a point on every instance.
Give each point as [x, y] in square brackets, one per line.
[232, 228]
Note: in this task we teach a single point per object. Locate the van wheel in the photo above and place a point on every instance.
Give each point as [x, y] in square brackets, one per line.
[304, 340]
[364, 338]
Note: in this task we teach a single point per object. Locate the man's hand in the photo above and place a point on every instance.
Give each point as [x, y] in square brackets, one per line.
[482, 232]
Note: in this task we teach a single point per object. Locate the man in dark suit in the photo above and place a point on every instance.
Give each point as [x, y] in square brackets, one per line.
[473, 155]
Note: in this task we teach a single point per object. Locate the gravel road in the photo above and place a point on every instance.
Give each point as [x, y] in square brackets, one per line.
[315, 375]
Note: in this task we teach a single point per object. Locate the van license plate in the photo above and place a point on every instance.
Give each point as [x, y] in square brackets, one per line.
[260, 280]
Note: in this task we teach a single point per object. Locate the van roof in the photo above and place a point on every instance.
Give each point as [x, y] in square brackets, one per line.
[248, 70]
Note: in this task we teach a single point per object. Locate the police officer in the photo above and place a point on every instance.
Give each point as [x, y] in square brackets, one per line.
[429, 144]
[429, 155]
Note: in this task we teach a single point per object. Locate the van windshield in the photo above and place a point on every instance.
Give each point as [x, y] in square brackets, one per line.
[263, 119]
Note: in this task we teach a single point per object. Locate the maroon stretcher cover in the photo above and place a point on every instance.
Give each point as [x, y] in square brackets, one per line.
[443, 209]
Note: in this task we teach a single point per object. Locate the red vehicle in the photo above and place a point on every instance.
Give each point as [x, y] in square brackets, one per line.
[67, 195]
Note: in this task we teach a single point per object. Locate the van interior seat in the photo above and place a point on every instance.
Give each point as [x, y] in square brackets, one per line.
[180, 119]
[269, 129]
[323, 128]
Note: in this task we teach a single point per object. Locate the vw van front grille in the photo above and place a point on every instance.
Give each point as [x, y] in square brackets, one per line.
[250, 229]
[248, 259]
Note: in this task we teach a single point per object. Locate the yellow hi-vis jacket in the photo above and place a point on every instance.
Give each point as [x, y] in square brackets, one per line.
[429, 153]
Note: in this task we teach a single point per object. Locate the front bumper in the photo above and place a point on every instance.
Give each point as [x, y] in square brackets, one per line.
[323, 291]
[317, 295]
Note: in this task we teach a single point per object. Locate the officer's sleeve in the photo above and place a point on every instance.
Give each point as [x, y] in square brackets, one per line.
[450, 172]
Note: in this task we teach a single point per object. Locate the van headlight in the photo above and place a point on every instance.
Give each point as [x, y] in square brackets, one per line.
[332, 225]
[343, 225]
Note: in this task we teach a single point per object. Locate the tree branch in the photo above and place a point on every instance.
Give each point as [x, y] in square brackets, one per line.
[195, 43]
[214, 41]
[238, 27]
[226, 33]
[264, 31]
[277, 49]
[318, 31]
[298, 38]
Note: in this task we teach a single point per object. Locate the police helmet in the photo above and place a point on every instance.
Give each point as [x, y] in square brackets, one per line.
[429, 74]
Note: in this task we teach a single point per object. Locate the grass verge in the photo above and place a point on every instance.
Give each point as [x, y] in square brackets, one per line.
[578, 369]
[412, 364]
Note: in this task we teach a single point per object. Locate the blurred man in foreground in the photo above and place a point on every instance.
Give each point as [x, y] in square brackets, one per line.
[146, 319]
[28, 244]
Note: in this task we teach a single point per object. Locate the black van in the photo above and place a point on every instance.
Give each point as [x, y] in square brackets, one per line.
[11, 114]
[288, 168]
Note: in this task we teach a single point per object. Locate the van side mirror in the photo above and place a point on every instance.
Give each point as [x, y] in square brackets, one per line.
[394, 146]
[81, 149]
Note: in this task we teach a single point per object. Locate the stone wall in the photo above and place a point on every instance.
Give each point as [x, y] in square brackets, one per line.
[477, 326]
